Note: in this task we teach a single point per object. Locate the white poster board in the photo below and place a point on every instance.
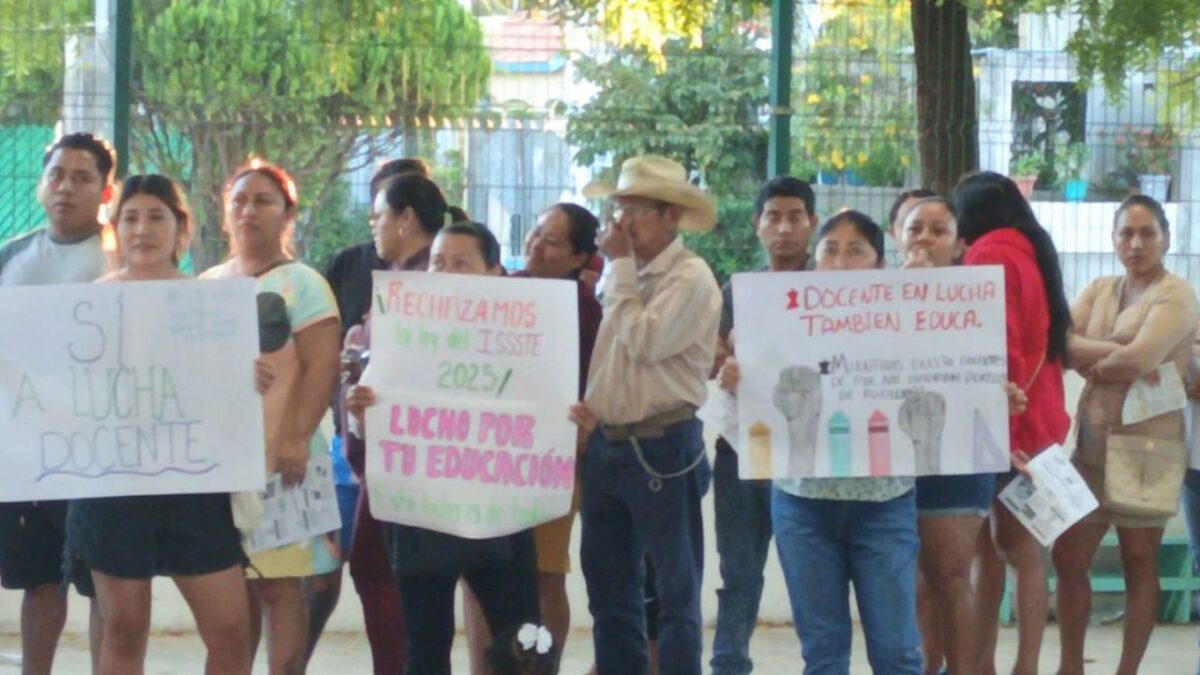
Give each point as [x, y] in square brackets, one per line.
[474, 378]
[132, 388]
[871, 373]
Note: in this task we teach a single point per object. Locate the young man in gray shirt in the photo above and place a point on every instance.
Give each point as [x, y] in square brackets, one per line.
[77, 178]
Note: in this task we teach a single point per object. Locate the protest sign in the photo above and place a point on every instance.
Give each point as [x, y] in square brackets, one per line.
[871, 373]
[129, 389]
[474, 378]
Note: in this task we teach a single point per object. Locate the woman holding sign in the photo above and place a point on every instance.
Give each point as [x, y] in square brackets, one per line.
[500, 571]
[300, 336]
[831, 532]
[950, 508]
[1133, 345]
[999, 228]
[561, 246]
[126, 541]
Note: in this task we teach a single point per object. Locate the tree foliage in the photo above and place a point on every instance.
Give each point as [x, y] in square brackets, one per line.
[647, 25]
[32, 34]
[1115, 37]
[853, 101]
[304, 83]
[701, 108]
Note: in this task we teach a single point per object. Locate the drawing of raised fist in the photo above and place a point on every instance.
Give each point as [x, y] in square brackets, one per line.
[923, 418]
[798, 397]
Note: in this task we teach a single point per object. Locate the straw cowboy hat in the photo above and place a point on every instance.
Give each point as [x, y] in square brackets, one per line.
[664, 180]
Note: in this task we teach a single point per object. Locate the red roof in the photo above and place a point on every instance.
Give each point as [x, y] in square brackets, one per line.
[521, 38]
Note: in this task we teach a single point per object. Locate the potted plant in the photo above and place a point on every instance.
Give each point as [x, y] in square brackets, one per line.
[1025, 170]
[1069, 162]
[1150, 153]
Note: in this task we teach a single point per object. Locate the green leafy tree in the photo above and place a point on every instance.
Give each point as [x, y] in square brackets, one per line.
[732, 246]
[698, 106]
[647, 25]
[1117, 37]
[854, 107]
[306, 88]
[701, 109]
[31, 56]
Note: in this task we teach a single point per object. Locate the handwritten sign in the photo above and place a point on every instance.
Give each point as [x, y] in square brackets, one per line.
[129, 389]
[474, 377]
[872, 373]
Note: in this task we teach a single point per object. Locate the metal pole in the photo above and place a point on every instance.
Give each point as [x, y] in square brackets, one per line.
[779, 149]
[121, 25]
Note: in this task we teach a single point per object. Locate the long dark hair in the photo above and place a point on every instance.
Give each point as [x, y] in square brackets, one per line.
[422, 195]
[868, 228]
[988, 201]
[166, 191]
[489, 246]
[1146, 202]
[583, 226]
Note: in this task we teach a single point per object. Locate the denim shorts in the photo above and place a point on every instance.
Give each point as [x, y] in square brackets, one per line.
[957, 495]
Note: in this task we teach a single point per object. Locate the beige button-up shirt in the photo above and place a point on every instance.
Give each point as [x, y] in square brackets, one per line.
[657, 339]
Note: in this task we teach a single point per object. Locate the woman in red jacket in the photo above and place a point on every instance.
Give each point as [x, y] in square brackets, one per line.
[1000, 228]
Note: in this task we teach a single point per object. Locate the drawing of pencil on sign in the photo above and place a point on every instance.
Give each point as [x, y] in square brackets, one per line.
[887, 372]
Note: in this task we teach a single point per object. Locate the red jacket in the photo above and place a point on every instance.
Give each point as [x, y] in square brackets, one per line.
[1045, 422]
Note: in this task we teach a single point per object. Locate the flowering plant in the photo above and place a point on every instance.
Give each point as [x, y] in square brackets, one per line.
[1148, 151]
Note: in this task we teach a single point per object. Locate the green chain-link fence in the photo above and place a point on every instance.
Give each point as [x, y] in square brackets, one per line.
[516, 111]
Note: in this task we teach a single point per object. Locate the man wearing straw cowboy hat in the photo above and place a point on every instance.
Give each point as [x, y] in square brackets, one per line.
[645, 470]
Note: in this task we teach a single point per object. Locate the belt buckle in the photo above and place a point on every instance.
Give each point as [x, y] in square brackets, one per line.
[615, 434]
[650, 432]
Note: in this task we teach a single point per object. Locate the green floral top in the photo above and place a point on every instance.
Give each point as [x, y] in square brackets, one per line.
[879, 489]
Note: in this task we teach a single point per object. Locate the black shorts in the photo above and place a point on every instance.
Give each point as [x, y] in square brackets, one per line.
[32, 539]
[159, 535]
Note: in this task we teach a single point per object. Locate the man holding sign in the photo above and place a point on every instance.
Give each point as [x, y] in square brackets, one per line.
[784, 219]
[645, 469]
[77, 177]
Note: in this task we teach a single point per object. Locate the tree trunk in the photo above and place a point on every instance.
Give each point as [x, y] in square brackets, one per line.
[947, 117]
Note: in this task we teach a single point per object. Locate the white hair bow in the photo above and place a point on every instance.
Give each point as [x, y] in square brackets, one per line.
[531, 637]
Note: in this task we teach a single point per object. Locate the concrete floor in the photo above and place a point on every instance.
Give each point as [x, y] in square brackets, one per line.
[1173, 651]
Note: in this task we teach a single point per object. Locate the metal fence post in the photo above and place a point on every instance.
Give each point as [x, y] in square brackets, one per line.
[780, 144]
[121, 25]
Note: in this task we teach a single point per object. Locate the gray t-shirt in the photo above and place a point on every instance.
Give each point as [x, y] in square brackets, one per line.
[37, 259]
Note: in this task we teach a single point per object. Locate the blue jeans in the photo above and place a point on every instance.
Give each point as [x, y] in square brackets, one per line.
[622, 517]
[743, 509]
[824, 546]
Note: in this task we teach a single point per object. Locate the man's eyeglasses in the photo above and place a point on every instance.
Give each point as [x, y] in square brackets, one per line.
[614, 210]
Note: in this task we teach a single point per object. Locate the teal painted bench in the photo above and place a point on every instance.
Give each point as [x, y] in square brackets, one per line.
[1177, 580]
